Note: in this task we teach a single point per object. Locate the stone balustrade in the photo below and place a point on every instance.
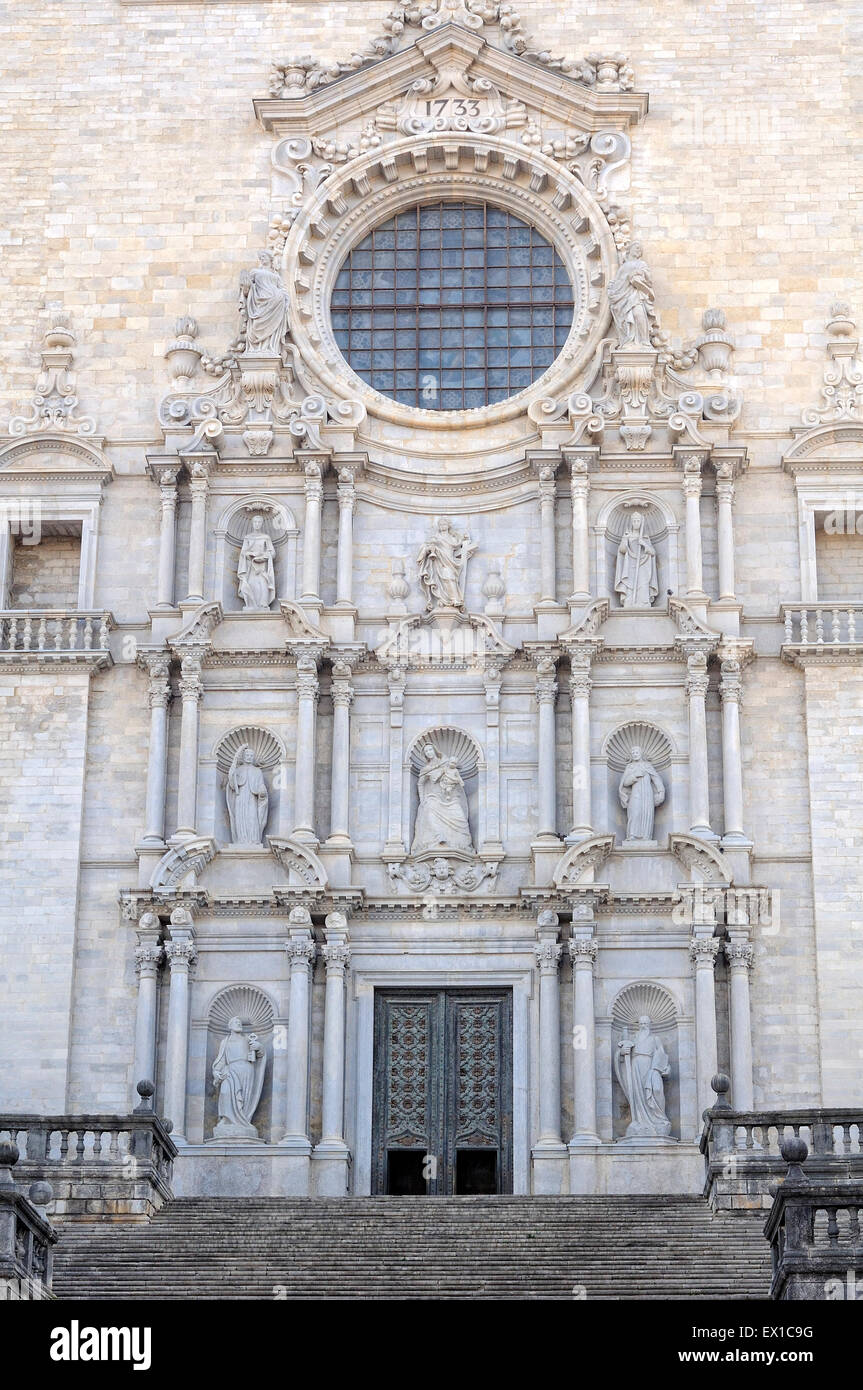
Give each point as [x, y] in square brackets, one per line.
[26, 1235]
[99, 1165]
[815, 1231]
[742, 1149]
[53, 630]
[815, 625]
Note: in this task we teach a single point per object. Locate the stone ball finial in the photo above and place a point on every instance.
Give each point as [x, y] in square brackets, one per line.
[720, 1083]
[41, 1194]
[795, 1151]
[9, 1155]
[167, 1125]
[146, 1090]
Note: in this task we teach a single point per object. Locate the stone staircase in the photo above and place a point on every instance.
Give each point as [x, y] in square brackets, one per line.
[419, 1248]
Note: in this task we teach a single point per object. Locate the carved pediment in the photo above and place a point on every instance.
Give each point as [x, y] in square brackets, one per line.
[181, 867]
[705, 864]
[300, 628]
[467, 641]
[302, 866]
[200, 627]
[589, 855]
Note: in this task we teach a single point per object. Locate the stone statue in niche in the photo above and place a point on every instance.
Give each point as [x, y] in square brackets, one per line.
[442, 818]
[641, 791]
[640, 1064]
[631, 298]
[442, 564]
[635, 578]
[247, 797]
[256, 583]
[264, 309]
[238, 1074]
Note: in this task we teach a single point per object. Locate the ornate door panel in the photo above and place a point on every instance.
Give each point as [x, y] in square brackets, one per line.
[443, 1091]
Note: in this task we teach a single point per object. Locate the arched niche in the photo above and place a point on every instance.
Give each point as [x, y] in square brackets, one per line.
[656, 748]
[646, 999]
[234, 524]
[271, 756]
[450, 742]
[662, 528]
[256, 1013]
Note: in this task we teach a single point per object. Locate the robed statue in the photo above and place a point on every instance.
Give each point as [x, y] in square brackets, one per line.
[640, 1063]
[264, 308]
[641, 791]
[247, 797]
[256, 583]
[635, 577]
[238, 1074]
[631, 298]
[442, 564]
[442, 818]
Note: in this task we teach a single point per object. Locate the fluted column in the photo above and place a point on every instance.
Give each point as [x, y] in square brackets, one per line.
[314, 489]
[301, 954]
[703, 951]
[730, 693]
[547, 537]
[149, 955]
[342, 696]
[692, 489]
[181, 955]
[582, 951]
[725, 529]
[199, 476]
[167, 537]
[191, 689]
[159, 696]
[548, 952]
[740, 957]
[347, 495]
[580, 492]
[579, 693]
[337, 956]
[699, 795]
[546, 696]
[306, 761]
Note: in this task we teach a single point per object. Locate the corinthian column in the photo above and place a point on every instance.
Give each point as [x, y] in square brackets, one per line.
[159, 695]
[181, 955]
[582, 951]
[740, 957]
[580, 491]
[548, 952]
[547, 538]
[579, 692]
[167, 536]
[148, 957]
[546, 696]
[692, 489]
[347, 494]
[699, 798]
[725, 529]
[730, 693]
[342, 696]
[191, 690]
[199, 476]
[307, 719]
[331, 1154]
[703, 950]
[314, 489]
[301, 955]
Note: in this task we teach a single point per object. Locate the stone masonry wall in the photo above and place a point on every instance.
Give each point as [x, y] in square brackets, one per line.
[46, 575]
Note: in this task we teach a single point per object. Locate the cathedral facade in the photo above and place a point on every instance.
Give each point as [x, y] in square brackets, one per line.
[432, 623]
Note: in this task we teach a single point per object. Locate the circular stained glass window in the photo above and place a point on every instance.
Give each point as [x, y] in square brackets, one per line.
[452, 306]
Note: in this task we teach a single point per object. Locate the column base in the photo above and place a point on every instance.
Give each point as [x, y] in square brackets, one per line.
[703, 832]
[550, 1176]
[306, 837]
[331, 1168]
[578, 834]
[586, 1140]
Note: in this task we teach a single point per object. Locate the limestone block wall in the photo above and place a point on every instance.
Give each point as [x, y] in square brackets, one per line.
[839, 565]
[46, 575]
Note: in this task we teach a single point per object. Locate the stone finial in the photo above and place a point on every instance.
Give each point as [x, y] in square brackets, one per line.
[54, 402]
[795, 1151]
[336, 922]
[300, 916]
[9, 1155]
[146, 1090]
[715, 344]
[181, 917]
[183, 354]
[41, 1194]
[721, 1084]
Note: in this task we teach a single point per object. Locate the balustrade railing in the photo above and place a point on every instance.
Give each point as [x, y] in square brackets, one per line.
[26, 1234]
[823, 624]
[53, 630]
[815, 1231]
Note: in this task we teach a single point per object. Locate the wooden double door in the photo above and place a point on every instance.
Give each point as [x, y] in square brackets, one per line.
[442, 1092]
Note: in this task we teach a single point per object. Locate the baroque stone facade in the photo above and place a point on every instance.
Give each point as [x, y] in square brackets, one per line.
[429, 758]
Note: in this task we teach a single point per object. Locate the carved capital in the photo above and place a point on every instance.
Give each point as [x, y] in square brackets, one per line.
[548, 954]
[740, 955]
[697, 680]
[148, 957]
[301, 950]
[199, 479]
[337, 955]
[308, 686]
[703, 950]
[582, 950]
[181, 954]
[724, 486]
[731, 686]
[313, 481]
[692, 475]
[347, 492]
[191, 686]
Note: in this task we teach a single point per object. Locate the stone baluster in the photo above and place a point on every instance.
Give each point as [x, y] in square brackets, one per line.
[199, 482]
[725, 529]
[314, 490]
[347, 495]
[181, 955]
[697, 682]
[342, 696]
[740, 957]
[149, 955]
[580, 492]
[547, 537]
[703, 950]
[582, 951]
[546, 697]
[730, 692]
[692, 490]
[159, 695]
[301, 955]
[167, 537]
[332, 1177]
[306, 760]
[579, 694]
[191, 689]
[548, 952]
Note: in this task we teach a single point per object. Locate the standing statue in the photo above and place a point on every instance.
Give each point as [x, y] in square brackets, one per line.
[635, 577]
[640, 1063]
[631, 298]
[264, 308]
[641, 791]
[256, 583]
[247, 798]
[238, 1073]
[442, 564]
[442, 819]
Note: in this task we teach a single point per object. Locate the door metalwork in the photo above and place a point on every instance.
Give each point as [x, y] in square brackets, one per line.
[442, 1091]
